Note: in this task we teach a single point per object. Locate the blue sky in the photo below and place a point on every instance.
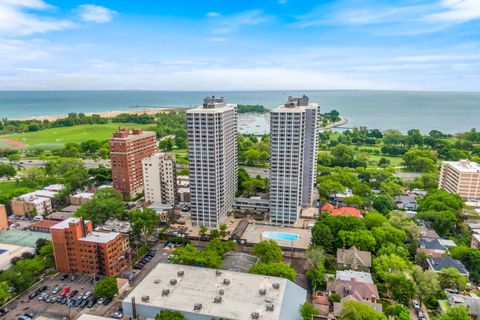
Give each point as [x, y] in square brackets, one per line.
[240, 45]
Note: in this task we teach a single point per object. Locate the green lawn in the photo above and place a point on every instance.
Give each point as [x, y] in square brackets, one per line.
[394, 161]
[7, 186]
[58, 136]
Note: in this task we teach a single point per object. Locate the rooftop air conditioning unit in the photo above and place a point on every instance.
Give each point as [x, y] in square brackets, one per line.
[255, 315]
[181, 273]
[145, 298]
[262, 292]
[221, 292]
[165, 292]
[270, 307]
[197, 306]
[226, 282]
[276, 286]
[217, 299]
[157, 281]
[218, 272]
[173, 282]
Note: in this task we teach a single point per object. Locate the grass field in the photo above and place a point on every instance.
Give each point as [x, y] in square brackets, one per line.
[7, 186]
[55, 137]
[394, 161]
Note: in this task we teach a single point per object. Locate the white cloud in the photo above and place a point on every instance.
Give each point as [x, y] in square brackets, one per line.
[235, 22]
[94, 13]
[213, 14]
[457, 11]
[16, 18]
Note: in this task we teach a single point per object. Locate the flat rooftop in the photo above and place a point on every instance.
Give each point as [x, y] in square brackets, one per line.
[240, 298]
[91, 317]
[217, 109]
[296, 108]
[64, 224]
[100, 237]
[465, 166]
[254, 233]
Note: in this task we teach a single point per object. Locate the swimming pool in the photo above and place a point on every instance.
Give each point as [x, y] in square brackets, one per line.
[3, 251]
[280, 235]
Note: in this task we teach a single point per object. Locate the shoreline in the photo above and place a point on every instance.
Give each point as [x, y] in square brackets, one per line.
[104, 114]
[339, 123]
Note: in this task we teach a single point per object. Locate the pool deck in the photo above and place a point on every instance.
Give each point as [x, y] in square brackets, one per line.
[254, 231]
[10, 252]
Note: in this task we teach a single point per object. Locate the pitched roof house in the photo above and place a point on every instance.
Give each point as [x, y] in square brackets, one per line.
[354, 259]
[437, 264]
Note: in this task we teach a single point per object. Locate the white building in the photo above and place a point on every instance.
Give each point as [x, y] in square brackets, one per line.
[293, 154]
[203, 294]
[462, 178]
[159, 178]
[212, 153]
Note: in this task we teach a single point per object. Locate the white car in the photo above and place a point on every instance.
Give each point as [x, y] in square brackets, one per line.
[117, 315]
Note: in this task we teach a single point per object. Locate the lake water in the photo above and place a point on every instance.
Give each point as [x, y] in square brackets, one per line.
[450, 112]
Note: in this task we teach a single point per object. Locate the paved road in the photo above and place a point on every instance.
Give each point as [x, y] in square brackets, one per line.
[41, 163]
[253, 172]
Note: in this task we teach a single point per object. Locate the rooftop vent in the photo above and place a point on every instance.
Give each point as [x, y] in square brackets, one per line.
[218, 273]
[221, 292]
[197, 306]
[157, 281]
[255, 315]
[270, 307]
[180, 273]
[145, 298]
[276, 285]
[173, 282]
[226, 282]
[217, 299]
[262, 292]
[165, 292]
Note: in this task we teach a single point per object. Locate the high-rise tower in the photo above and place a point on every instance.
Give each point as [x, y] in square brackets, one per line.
[212, 153]
[293, 155]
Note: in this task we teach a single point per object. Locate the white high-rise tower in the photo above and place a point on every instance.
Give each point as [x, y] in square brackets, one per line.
[212, 153]
[293, 155]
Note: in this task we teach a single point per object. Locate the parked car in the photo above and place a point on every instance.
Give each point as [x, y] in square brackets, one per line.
[42, 296]
[84, 303]
[73, 277]
[64, 300]
[107, 301]
[91, 302]
[49, 299]
[3, 311]
[87, 294]
[63, 277]
[65, 291]
[30, 314]
[117, 315]
[56, 290]
[43, 289]
[33, 295]
[73, 293]
[100, 301]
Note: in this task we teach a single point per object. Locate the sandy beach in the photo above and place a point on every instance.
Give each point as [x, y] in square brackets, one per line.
[107, 114]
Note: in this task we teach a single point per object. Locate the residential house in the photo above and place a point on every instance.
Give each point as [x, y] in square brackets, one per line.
[472, 303]
[354, 259]
[342, 211]
[434, 248]
[406, 202]
[437, 264]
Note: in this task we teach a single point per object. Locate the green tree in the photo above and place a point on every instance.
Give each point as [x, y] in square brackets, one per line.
[7, 171]
[440, 200]
[315, 257]
[456, 313]
[4, 291]
[450, 278]
[76, 179]
[387, 234]
[470, 257]
[398, 312]
[106, 288]
[268, 251]
[362, 239]
[420, 160]
[374, 219]
[14, 157]
[383, 204]
[386, 265]
[353, 310]
[106, 203]
[222, 230]
[402, 289]
[307, 311]
[170, 315]
[427, 284]
[275, 269]
[203, 231]
[144, 223]
[443, 222]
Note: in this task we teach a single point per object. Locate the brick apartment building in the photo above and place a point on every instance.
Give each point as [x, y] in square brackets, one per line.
[127, 150]
[78, 248]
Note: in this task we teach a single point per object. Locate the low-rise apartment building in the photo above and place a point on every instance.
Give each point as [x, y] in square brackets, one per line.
[77, 248]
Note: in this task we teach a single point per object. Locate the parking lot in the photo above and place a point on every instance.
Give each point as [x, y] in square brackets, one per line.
[82, 284]
[55, 310]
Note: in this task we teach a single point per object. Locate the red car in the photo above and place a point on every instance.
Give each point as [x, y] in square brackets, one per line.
[65, 291]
